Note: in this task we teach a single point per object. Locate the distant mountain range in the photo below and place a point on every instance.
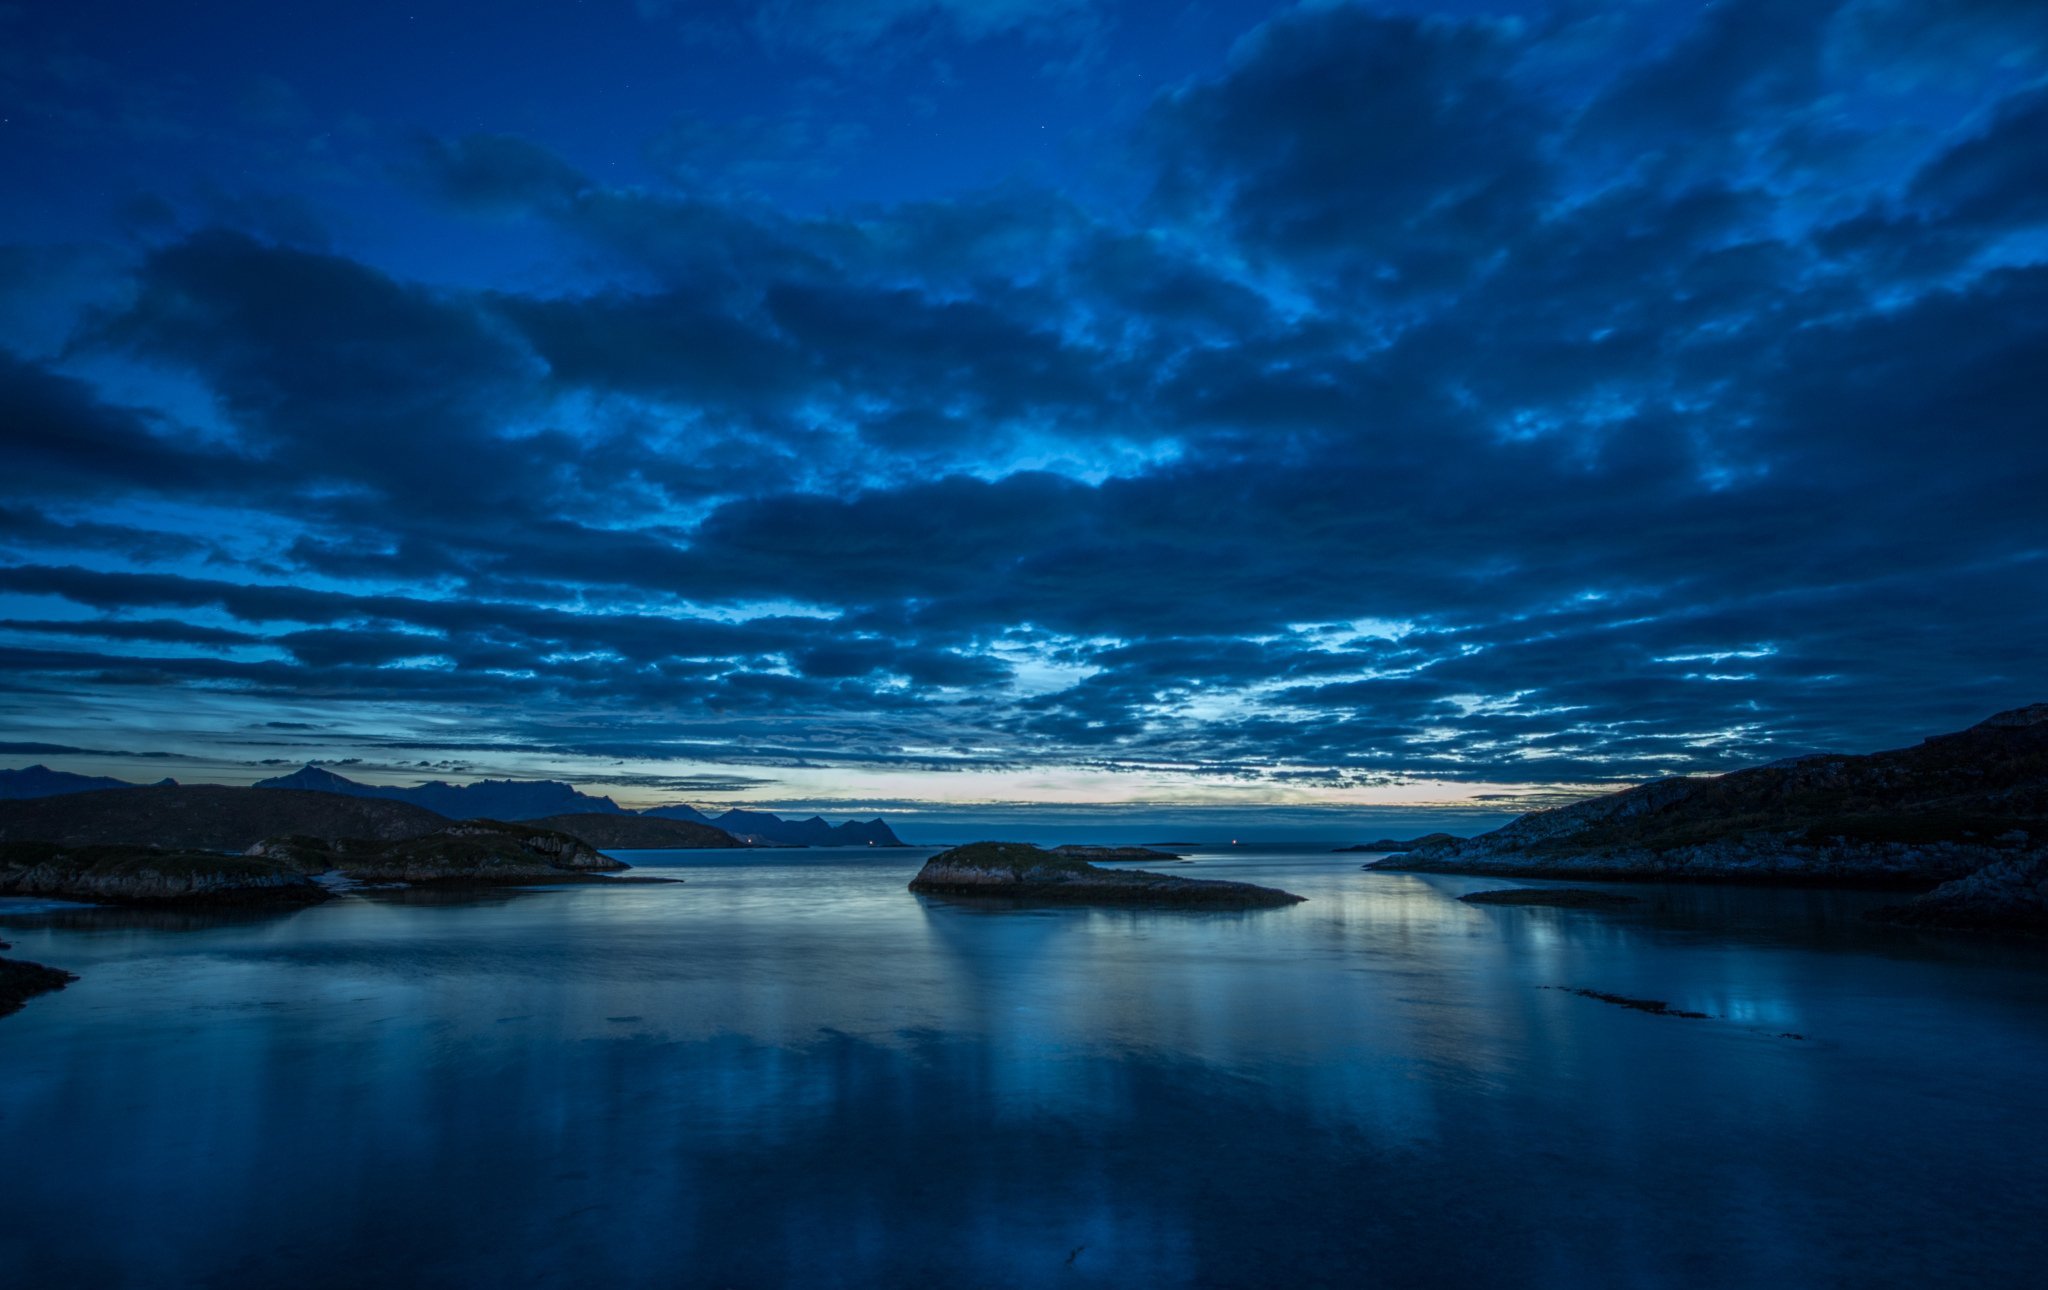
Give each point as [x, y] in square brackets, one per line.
[487, 799]
[41, 781]
[498, 799]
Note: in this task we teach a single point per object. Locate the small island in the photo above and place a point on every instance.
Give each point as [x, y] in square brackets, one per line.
[1019, 870]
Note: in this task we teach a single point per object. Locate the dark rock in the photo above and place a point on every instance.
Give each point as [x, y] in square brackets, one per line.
[1551, 897]
[1020, 871]
[1656, 1007]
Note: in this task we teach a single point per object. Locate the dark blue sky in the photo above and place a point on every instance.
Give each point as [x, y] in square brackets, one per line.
[993, 401]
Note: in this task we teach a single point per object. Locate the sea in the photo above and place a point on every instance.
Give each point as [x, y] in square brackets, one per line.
[789, 1070]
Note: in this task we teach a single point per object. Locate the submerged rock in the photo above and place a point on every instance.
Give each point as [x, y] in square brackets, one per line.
[125, 875]
[1019, 870]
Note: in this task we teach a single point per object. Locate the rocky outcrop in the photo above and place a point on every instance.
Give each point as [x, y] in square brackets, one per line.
[147, 876]
[1395, 845]
[21, 981]
[639, 832]
[207, 817]
[2006, 896]
[1908, 818]
[1017, 870]
[1076, 851]
[474, 851]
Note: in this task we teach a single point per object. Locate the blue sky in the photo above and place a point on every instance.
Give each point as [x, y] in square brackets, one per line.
[939, 404]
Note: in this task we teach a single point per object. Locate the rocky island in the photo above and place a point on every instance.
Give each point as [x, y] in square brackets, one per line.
[135, 875]
[1391, 845]
[1965, 814]
[1017, 870]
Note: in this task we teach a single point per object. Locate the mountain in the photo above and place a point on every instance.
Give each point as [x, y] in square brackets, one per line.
[677, 812]
[41, 781]
[814, 832]
[1940, 810]
[207, 817]
[639, 832]
[493, 799]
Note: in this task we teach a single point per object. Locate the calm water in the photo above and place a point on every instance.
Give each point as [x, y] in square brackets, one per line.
[790, 1071]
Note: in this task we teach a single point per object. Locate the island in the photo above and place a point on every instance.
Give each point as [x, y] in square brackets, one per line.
[1077, 851]
[640, 832]
[1396, 845]
[288, 870]
[1961, 817]
[474, 852]
[1018, 870]
[137, 875]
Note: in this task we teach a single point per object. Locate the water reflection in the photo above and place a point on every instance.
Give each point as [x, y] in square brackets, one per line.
[798, 1073]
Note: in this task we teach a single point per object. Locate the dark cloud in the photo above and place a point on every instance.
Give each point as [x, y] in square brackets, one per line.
[1431, 397]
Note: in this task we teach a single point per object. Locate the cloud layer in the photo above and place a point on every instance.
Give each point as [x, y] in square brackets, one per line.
[1588, 393]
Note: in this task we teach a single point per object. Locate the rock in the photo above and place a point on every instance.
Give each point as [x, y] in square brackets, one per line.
[2007, 895]
[1552, 897]
[1076, 851]
[1020, 871]
[149, 876]
[21, 981]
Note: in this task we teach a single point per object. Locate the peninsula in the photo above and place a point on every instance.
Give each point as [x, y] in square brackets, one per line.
[1965, 814]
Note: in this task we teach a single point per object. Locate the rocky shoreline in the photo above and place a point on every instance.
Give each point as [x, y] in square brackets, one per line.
[1016, 870]
[300, 869]
[1962, 818]
[21, 980]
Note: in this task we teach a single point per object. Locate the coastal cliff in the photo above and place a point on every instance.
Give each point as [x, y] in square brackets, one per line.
[1942, 812]
[1020, 871]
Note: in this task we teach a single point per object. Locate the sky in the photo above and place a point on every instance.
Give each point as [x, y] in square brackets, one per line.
[1168, 410]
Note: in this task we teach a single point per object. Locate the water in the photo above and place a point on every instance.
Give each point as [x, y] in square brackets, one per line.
[790, 1071]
